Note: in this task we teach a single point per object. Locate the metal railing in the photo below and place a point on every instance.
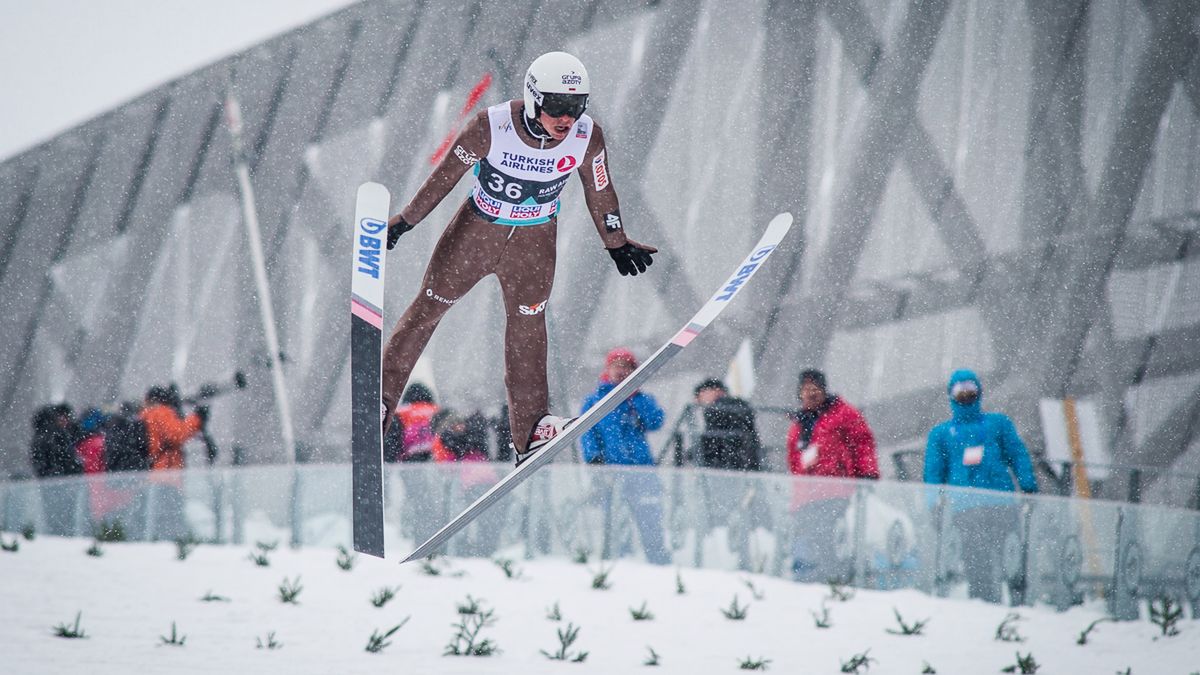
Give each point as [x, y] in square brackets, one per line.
[1018, 549]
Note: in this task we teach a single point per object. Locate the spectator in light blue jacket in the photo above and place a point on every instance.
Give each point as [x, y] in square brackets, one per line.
[979, 449]
[620, 439]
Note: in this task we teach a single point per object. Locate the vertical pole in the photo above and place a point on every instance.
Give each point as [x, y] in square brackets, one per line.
[233, 116]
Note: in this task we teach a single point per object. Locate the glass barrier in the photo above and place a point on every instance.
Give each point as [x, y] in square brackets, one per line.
[953, 542]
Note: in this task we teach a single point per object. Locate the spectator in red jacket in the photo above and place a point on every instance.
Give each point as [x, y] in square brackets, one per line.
[828, 438]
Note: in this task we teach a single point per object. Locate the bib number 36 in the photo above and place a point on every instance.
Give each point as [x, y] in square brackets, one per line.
[499, 186]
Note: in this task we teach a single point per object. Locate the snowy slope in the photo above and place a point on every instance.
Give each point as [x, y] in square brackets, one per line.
[129, 597]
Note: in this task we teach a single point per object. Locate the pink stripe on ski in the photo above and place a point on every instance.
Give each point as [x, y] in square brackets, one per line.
[683, 337]
[366, 314]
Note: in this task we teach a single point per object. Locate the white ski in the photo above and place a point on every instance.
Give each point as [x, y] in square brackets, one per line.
[366, 339]
[778, 227]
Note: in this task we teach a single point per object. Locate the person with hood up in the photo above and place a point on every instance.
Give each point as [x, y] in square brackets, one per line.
[979, 449]
[620, 438]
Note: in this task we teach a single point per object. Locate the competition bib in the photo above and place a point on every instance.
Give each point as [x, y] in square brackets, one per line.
[516, 184]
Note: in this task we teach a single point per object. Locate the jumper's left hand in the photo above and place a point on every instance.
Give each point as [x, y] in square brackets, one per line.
[632, 257]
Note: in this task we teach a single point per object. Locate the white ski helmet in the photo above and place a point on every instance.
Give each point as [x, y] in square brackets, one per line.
[557, 83]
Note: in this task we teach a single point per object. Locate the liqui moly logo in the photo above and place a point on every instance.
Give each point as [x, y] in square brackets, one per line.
[735, 283]
[486, 204]
[526, 212]
[370, 246]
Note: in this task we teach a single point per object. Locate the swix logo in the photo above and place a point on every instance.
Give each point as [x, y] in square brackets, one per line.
[599, 172]
[526, 212]
[531, 310]
[731, 288]
[486, 204]
[572, 79]
[566, 164]
[612, 221]
[370, 246]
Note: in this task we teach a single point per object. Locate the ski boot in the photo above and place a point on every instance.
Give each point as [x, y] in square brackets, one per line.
[546, 430]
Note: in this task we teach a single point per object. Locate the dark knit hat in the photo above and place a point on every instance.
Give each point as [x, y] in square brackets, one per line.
[710, 383]
[815, 376]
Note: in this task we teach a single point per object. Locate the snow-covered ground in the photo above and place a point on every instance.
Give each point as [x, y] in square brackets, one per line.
[130, 596]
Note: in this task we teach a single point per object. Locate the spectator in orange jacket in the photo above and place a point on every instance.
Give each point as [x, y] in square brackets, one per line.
[166, 429]
[166, 432]
[829, 438]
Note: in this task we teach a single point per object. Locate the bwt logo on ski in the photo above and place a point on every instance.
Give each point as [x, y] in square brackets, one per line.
[731, 288]
[370, 246]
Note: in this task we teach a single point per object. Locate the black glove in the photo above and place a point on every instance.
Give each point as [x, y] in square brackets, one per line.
[396, 227]
[202, 413]
[632, 257]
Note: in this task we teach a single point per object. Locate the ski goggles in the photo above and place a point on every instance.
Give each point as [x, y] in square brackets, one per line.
[557, 105]
[965, 391]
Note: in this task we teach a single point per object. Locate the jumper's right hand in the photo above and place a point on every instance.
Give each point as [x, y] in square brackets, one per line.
[396, 227]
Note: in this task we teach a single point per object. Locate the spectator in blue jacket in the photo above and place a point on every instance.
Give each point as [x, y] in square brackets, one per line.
[979, 450]
[620, 438]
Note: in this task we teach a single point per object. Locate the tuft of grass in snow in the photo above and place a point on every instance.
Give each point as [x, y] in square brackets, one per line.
[840, 592]
[566, 638]
[378, 641]
[641, 614]
[176, 640]
[471, 606]
[749, 663]
[679, 587]
[184, 547]
[266, 547]
[907, 628]
[465, 641]
[1026, 665]
[554, 613]
[271, 642]
[212, 597]
[10, 546]
[600, 580]
[94, 550]
[346, 559]
[290, 590]
[1165, 613]
[735, 612]
[381, 597]
[858, 662]
[822, 620]
[1083, 637]
[435, 565]
[28, 532]
[64, 630]
[754, 591]
[927, 669]
[580, 556]
[506, 565]
[109, 532]
[260, 559]
[653, 659]
[1007, 630]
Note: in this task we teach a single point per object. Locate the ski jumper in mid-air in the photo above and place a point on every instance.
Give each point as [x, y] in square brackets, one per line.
[522, 152]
